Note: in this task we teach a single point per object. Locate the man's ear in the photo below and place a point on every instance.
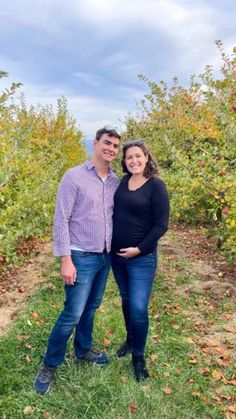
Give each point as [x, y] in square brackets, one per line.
[95, 141]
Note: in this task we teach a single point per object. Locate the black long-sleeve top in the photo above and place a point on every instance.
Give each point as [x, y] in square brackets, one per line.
[140, 217]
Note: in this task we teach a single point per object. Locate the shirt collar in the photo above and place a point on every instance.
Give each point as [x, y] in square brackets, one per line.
[90, 165]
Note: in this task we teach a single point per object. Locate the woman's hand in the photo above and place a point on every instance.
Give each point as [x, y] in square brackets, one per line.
[129, 252]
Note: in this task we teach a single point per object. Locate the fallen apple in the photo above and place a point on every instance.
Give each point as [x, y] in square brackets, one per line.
[35, 315]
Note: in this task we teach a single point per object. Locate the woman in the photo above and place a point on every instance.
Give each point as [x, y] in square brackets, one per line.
[140, 219]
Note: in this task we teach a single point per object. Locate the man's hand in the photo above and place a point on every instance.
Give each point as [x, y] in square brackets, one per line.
[68, 271]
[129, 252]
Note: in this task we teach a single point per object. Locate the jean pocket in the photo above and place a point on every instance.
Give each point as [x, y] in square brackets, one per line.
[151, 259]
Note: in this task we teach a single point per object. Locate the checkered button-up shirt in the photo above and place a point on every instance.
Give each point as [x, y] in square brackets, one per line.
[84, 209]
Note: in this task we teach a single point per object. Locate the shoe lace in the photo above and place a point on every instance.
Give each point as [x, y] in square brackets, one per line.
[46, 373]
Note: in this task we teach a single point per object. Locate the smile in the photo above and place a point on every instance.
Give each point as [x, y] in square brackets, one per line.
[109, 153]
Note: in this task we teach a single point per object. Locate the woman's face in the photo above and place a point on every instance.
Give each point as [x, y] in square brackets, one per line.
[135, 160]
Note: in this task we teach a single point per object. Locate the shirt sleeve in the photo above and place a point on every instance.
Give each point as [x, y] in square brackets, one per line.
[66, 198]
[160, 214]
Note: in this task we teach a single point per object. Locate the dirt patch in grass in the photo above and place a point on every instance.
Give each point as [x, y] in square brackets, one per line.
[17, 288]
[204, 250]
[204, 262]
[207, 276]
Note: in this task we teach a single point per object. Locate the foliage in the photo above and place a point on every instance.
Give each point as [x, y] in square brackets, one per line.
[37, 146]
[192, 132]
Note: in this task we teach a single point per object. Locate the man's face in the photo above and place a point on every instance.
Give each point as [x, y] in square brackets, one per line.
[106, 148]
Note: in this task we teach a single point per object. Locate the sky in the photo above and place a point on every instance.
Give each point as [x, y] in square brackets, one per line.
[92, 51]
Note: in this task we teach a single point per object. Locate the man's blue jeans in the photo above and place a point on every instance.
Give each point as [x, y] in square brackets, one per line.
[82, 300]
[135, 278]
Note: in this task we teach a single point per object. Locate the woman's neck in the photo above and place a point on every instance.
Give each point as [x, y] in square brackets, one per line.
[136, 181]
[137, 177]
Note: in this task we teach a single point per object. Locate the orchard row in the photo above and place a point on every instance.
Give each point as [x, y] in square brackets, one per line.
[37, 146]
[192, 132]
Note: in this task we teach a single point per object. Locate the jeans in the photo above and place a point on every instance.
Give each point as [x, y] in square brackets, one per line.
[82, 300]
[135, 278]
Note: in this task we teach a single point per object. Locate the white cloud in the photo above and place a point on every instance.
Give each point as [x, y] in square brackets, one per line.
[91, 113]
[179, 18]
[91, 51]
[87, 78]
[187, 28]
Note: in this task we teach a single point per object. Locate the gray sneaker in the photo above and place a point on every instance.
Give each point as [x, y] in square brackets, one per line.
[43, 380]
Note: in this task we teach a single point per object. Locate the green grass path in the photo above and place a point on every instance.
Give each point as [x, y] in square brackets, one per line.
[190, 355]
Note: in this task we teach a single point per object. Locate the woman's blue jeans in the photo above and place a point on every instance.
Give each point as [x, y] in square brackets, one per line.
[82, 300]
[135, 278]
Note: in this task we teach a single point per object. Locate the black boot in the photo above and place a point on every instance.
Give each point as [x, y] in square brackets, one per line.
[140, 370]
[124, 349]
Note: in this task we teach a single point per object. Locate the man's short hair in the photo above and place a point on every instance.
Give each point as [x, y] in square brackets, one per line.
[108, 129]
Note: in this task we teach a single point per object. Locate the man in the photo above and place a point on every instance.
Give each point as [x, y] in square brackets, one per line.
[82, 238]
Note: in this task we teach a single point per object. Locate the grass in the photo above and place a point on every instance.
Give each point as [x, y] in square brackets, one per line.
[174, 357]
